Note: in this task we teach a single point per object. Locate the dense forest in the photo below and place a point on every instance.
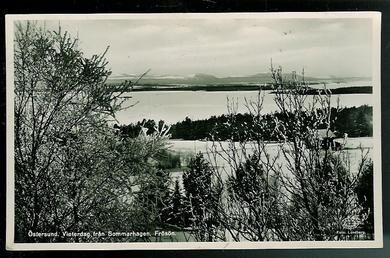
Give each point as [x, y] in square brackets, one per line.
[353, 121]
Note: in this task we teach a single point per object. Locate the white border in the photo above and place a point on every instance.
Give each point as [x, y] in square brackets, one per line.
[377, 243]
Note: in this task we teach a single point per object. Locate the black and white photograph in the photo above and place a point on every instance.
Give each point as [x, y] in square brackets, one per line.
[186, 131]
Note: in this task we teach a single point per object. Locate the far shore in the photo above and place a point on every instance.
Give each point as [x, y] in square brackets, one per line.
[236, 87]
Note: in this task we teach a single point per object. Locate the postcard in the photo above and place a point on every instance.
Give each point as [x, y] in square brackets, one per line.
[193, 131]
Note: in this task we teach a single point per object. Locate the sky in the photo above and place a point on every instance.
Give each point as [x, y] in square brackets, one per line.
[227, 47]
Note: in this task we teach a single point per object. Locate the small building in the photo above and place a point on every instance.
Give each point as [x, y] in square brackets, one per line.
[327, 139]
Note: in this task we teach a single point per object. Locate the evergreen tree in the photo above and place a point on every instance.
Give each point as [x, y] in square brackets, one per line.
[174, 212]
[203, 200]
[365, 193]
[151, 200]
[253, 201]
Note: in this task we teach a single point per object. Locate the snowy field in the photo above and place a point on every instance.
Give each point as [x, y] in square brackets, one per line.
[353, 150]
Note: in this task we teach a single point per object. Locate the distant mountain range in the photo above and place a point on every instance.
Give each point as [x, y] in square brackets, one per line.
[208, 79]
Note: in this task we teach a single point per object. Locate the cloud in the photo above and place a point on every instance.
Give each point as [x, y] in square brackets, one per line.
[227, 47]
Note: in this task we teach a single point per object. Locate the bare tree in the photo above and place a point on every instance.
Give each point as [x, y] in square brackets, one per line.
[298, 188]
[316, 176]
[250, 208]
[71, 168]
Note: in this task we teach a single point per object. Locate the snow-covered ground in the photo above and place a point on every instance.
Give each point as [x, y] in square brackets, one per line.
[353, 150]
[204, 146]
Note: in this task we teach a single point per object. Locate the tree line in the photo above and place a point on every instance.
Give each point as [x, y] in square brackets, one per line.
[353, 121]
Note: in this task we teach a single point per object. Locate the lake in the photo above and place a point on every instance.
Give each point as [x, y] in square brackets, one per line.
[174, 106]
